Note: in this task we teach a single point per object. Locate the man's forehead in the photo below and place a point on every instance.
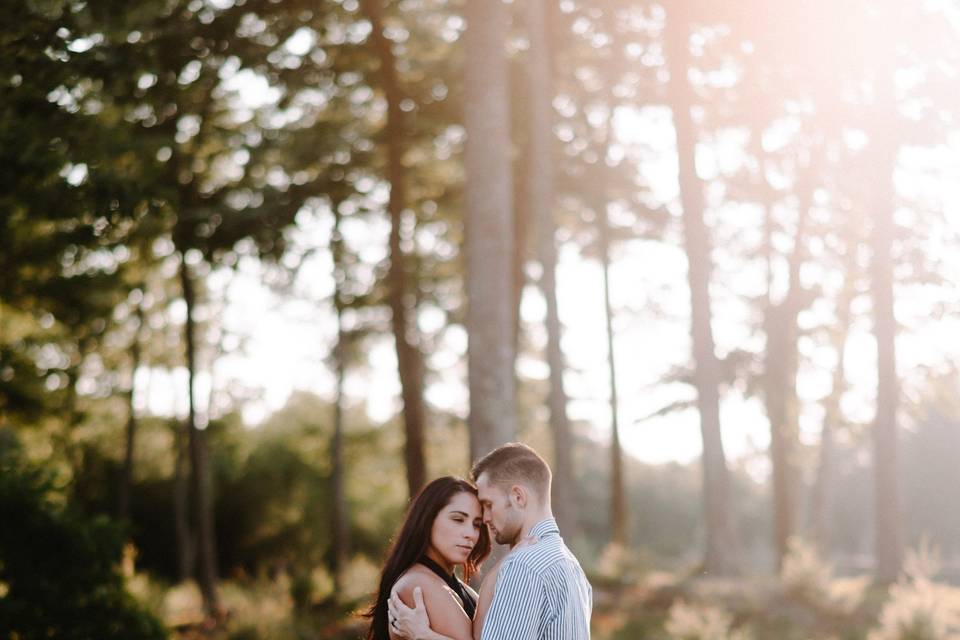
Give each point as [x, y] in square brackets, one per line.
[485, 488]
[483, 483]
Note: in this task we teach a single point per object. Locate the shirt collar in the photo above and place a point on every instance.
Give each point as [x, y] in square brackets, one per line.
[544, 527]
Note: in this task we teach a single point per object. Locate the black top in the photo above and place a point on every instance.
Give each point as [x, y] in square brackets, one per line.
[469, 604]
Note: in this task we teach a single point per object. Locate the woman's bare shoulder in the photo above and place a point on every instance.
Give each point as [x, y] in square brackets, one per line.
[447, 616]
[416, 576]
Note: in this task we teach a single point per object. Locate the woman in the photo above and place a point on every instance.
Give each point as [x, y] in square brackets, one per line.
[443, 529]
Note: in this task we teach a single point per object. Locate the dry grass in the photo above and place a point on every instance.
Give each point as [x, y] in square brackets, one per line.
[702, 622]
[806, 602]
[919, 608]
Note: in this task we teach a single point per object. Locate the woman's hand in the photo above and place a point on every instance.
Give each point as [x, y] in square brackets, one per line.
[407, 623]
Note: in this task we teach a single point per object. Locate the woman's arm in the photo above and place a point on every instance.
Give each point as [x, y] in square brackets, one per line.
[437, 615]
[487, 588]
[407, 623]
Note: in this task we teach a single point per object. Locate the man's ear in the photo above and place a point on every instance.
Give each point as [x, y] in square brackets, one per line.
[519, 496]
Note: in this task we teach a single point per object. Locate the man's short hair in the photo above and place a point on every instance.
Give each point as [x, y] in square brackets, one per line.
[515, 463]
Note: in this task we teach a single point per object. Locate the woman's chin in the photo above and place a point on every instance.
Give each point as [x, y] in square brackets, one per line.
[459, 556]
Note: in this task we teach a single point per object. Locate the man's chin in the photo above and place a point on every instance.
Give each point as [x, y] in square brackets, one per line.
[501, 539]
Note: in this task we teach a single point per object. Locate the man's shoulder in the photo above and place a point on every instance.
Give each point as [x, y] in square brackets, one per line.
[540, 556]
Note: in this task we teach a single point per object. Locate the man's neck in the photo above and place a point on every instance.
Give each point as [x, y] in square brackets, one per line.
[532, 520]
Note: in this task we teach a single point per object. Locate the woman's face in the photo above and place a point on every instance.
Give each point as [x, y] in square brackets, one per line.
[456, 529]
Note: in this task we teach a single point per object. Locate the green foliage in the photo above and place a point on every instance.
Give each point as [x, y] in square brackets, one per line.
[273, 492]
[59, 568]
[72, 196]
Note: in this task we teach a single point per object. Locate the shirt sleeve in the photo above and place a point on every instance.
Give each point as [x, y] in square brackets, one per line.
[517, 608]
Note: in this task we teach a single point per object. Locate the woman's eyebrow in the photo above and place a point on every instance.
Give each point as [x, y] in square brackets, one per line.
[462, 513]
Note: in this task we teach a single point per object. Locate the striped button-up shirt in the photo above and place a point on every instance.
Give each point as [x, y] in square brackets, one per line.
[541, 592]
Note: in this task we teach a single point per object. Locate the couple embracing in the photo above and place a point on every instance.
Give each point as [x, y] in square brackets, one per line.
[537, 592]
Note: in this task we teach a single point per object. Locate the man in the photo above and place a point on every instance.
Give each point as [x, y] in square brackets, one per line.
[541, 592]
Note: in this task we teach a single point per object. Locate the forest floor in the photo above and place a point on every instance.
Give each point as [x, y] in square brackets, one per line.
[660, 606]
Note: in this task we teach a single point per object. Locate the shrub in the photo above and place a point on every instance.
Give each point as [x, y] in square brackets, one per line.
[58, 568]
[809, 580]
[804, 573]
[701, 622]
[918, 607]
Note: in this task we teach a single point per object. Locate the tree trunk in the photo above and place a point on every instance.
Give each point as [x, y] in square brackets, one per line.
[618, 500]
[339, 524]
[722, 550]
[832, 419]
[186, 543]
[889, 537]
[780, 384]
[523, 216]
[410, 362]
[73, 453]
[488, 230]
[539, 180]
[521, 230]
[200, 477]
[126, 476]
[79, 454]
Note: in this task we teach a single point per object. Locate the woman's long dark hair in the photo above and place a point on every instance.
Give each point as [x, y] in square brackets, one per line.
[412, 542]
